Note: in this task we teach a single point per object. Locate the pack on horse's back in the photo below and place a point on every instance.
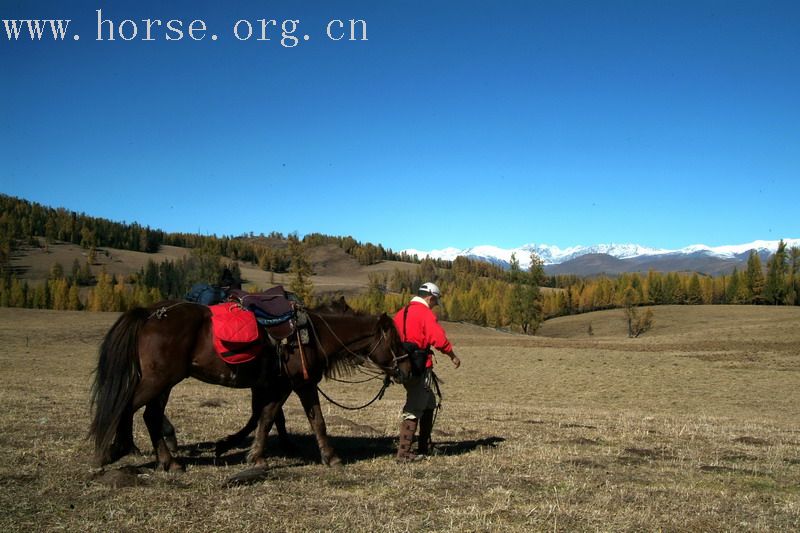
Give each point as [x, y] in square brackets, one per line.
[205, 294]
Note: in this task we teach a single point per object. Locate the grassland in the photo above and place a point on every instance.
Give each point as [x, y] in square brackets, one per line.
[691, 427]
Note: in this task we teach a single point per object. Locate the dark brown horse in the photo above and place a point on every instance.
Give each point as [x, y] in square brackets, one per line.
[148, 351]
[337, 306]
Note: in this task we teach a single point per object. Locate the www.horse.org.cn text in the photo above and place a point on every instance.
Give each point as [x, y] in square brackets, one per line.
[287, 32]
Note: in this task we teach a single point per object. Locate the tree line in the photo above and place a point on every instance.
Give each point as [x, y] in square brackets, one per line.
[777, 284]
[23, 222]
[475, 291]
[82, 288]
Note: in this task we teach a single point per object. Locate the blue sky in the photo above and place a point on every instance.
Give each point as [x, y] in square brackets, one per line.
[454, 124]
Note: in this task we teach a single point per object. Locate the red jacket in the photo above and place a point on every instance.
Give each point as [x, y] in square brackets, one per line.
[422, 328]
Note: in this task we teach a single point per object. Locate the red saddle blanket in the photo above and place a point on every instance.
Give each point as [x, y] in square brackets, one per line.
[237, 337]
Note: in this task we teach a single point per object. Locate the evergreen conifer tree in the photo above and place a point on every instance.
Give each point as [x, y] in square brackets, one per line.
[754, 278]
[73, 299]
[694, 293]
[793, 294]
[775, 286]
[300, 270]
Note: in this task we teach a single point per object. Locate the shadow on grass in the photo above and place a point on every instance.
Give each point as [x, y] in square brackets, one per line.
[304, 447]
[303, 451]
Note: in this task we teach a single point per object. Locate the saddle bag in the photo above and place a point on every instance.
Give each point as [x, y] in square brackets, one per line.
[237, 337]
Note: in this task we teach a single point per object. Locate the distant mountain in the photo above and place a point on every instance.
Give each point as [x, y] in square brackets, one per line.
[617, 258]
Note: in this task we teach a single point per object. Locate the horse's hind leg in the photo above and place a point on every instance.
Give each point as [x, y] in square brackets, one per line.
[168, 430]
[154, 420]
[123, 442]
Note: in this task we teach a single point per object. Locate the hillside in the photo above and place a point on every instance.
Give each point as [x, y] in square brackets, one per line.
[334, 270]
[689, 324]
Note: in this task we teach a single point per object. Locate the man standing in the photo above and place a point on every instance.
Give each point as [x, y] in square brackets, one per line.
[418, 326]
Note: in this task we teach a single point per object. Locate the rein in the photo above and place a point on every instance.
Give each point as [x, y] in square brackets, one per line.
[386, 383]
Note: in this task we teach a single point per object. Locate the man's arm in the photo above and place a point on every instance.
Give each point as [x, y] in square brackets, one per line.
[440, 341]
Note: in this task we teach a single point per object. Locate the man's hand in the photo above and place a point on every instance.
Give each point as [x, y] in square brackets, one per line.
[456, 361]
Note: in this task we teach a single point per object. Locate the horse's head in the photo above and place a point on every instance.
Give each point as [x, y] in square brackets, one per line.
[336, 306]
[390, 355]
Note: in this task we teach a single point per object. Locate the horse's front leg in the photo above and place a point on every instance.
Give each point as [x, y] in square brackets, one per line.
[310, 400]
[271, 407]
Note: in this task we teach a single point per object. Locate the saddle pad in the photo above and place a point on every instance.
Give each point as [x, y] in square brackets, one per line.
[237, 337]
[272, 303]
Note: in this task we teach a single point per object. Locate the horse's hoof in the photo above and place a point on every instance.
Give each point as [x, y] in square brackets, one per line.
[172, 443]
[256, 459]
[175, 466]
[221, 448]
[333, 460]
[115, 453]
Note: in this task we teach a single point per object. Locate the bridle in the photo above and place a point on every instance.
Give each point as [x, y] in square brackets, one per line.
[389, 373]
[394, 371]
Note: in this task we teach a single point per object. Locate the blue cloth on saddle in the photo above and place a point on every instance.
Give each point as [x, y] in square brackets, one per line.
[205, 294]
[268, 320]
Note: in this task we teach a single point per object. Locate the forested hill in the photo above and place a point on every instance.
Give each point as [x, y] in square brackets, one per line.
[476, 291]
[22, 222]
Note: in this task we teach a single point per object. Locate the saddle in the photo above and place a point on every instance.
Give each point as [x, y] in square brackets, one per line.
[278, 311]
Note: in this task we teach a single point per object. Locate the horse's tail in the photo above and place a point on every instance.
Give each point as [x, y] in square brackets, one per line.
[115, 379]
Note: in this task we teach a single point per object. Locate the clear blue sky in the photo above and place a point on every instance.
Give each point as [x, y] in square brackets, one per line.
[456, 123]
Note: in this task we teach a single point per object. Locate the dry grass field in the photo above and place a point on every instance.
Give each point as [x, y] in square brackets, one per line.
[691, 427]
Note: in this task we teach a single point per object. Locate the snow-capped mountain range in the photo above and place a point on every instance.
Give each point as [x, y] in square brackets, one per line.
[613, 257]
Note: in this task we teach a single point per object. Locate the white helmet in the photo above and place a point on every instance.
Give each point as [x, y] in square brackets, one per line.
[430, 288]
